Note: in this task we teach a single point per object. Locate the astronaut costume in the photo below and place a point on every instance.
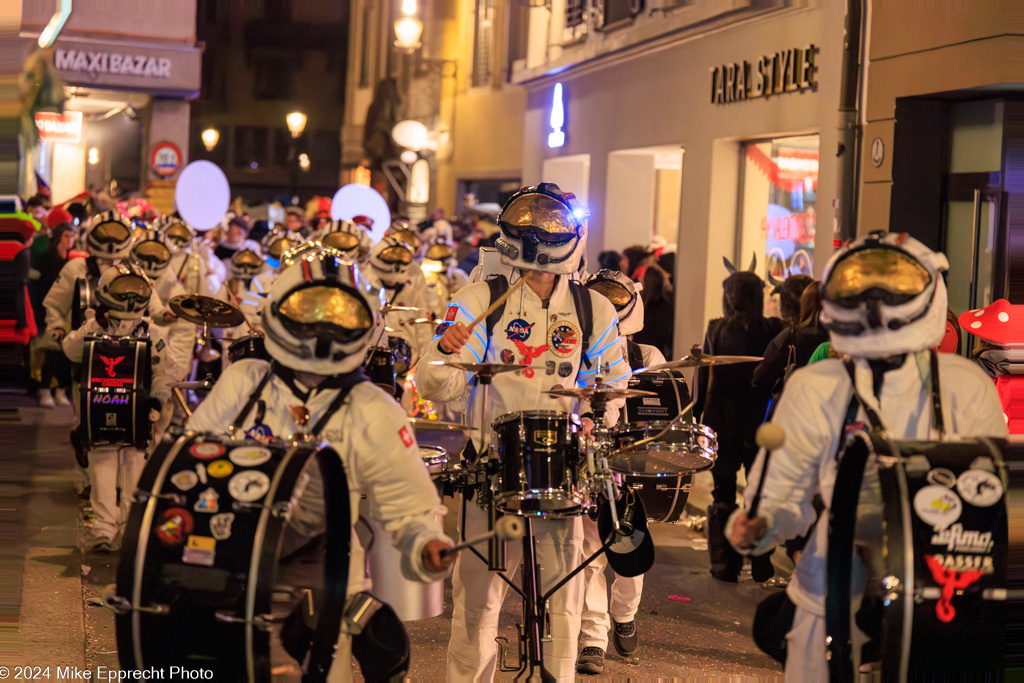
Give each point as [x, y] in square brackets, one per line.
[275, 245]
[443, 277]
[885, 306]
[123, 294]
[318, 322]
[348, 237]
[542, 229]
[624, 294]
[391, 269]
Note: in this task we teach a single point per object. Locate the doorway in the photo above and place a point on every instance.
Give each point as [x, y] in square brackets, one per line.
[643, 196]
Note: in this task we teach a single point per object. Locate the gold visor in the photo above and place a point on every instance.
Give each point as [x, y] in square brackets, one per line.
[439, 252]
[278, 247]
[409, 237]
[615, 292]
[129, 287]
[886, 269]
[178, 233]
[111, 233]
[341, 240]
[247, 258]
[396, 255]
[542, 212]
[154, 251]
[312, 307]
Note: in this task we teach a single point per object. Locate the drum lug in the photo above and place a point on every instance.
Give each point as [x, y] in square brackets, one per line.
[280, 509]
[121, 605]
[143, 496]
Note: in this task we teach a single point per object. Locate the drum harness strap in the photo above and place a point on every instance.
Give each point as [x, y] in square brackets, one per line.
[635, 354]
[843, 515]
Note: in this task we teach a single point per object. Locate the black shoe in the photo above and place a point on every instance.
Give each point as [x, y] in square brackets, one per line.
[590, 661]
[761, 568]
[625, 637]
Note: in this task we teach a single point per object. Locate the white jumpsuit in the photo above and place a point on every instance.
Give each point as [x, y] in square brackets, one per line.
[811, 412]
[626, 591]
[419, 335]
[59, 299]
[187, 274]
[441, 286]
[113, 467]
[376, 444]
[546, 340]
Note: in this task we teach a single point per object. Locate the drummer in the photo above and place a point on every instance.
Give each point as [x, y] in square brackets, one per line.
[244, 265]
[318, 323]
[618, 615]
[884, 302]
[543, 235]
[391, 267]
[348, 237]
[444, 278]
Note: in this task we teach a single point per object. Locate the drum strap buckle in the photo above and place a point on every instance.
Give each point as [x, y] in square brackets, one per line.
[358, 612]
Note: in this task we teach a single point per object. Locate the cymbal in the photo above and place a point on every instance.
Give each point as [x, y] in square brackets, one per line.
[387, 308]
[419, 321]
[604, 391]
[482, 369]
[201, 386]
[205, 310]
[439, 425]
[702, 360]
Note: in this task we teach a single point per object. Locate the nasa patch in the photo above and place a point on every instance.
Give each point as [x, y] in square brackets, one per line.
[565, 338]
[519, 330]
[507, 357]
[440, 329]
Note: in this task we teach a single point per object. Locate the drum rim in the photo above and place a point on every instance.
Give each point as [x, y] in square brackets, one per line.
[632, 473]
[520, 414]
[572, 511]
[440, 456]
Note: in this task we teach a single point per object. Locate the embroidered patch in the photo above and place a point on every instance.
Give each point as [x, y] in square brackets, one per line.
[565, 338]
[207, 501]
[260, 432]
[449, 316]
[220, 525]
[160, 345]
[440, 329]
[519, 330]
[564, 369]
[550, 367]
[507, 357]
[406, 436]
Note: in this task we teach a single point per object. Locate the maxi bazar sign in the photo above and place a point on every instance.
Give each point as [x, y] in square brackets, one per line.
[121, 63]
[787, 71]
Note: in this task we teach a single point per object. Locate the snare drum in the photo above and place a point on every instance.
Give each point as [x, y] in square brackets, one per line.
[539, 464]
[244, 348]
[401, 352]
[684, 449]
[199, 562]
[380, 368]
[116, 374]
[436, 460]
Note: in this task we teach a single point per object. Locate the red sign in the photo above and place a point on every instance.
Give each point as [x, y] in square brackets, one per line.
[165, 159]
[54, 127]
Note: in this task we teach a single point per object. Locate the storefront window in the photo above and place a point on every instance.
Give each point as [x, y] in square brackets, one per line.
[779, 211]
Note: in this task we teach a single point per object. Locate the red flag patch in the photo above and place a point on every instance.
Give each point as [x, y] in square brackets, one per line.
[406, 436]
[452, 312]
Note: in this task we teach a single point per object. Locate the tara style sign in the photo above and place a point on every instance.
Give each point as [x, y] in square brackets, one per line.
[787, 71]
[123, 63]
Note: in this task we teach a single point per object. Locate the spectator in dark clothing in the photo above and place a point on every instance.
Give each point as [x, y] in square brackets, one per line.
[56, 365]
[611, 260]
[804, 337]
[727, 402]
[790, 292]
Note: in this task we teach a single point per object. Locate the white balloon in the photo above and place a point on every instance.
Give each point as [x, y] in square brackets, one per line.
[359, 200]
[202, 194]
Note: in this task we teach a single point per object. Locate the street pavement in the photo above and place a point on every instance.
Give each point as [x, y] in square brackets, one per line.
[690, 624]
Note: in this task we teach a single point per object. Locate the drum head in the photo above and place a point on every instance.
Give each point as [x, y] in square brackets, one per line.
[684, 449]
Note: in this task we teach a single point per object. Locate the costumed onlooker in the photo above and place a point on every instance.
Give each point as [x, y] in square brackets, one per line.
[234, 239]
[726, 402]
[793, 347]
[790, 291]
[545, 327]
[884, 302]
[55, 365]
[295, 223]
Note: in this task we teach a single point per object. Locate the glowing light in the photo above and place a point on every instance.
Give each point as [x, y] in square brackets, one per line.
[408, 6]
[210, 138]
[409, 157]
[304, 161]
[407, 33]
[202, 195]
[360, 200]
[419, 182]
[361, 176]
[94, 156]
[410, 134]
[556, 138]
[296, 123]
[56, 23]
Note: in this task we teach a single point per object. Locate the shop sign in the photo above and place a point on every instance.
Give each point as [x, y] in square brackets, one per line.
[122, 63]
[787, 71]
[54, 127]
[165, 159]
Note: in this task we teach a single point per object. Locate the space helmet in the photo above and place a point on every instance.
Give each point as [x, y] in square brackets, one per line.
[543, 228]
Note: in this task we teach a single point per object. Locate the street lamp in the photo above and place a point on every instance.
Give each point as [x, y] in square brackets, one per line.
[304, 161]
[407, 33]
[210, 137]
[94, 156]
[296, 123]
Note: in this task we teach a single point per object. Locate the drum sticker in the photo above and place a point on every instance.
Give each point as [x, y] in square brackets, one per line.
[406, 436]
[207, 451]
[937, 506]
[508, 357]
[964, 563]
[942, 477]
[950, 581]
[956, 540]
[200, 550]
[185, 480]
[564, 369]
[249, 485]
[565, 338]
[980, 488]
[174, 524]
[220, 469]
[111, 419]
[201, 472]
[249, 456]
[220, 525]
[545, 437]
[207, 501]
[260, 432]
[519, 330]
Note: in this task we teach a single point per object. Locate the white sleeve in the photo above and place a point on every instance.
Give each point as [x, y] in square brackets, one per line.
[74, 343]
[398, 488]
[439, 383]
[58, 300]
[227, 397]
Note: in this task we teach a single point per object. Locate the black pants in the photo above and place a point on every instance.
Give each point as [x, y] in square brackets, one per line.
[726, 563]
[56, 366]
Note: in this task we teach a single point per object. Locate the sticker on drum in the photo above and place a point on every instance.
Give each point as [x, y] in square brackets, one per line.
[200, 550]
[942, 477]
[937, 506]
[185, 480]
[220, 525]
[249, 485]
[220, 469]
[249, 456]
[174, 524]
[980, 488]
[207, 450]
[207, 501]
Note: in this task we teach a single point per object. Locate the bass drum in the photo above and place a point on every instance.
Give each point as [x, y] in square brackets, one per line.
[199, 562]
[664, 499]
[115, 380]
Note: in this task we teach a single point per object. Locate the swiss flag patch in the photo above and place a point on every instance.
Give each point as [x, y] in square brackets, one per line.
[452, 312]
[406, 436]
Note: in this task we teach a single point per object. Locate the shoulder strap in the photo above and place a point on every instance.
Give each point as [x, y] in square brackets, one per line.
[498, 286]
[938, 420]
[237, 424]
[346, 386]
[585, 312]
[93, 267]
[873, 418]
[636, 355]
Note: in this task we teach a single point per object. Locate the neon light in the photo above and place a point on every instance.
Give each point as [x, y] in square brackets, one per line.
[556, 138]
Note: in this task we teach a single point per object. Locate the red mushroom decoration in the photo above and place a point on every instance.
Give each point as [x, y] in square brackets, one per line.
[1001, 326]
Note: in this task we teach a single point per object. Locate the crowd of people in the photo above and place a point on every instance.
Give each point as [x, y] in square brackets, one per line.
[318, 293]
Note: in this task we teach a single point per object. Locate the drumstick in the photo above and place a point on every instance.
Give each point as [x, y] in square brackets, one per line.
[498, 302]
[506, 529]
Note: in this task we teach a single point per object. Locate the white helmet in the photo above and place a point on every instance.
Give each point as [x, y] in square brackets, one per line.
[124, 291]
[624, 295]
[109, 236]
[318, 317]
[151, 253]
[390, 260]
[176, 232]
[404, 232]
[275, 244]
[348, 237]
[884, 295]
[543, 228]
[245, 264]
